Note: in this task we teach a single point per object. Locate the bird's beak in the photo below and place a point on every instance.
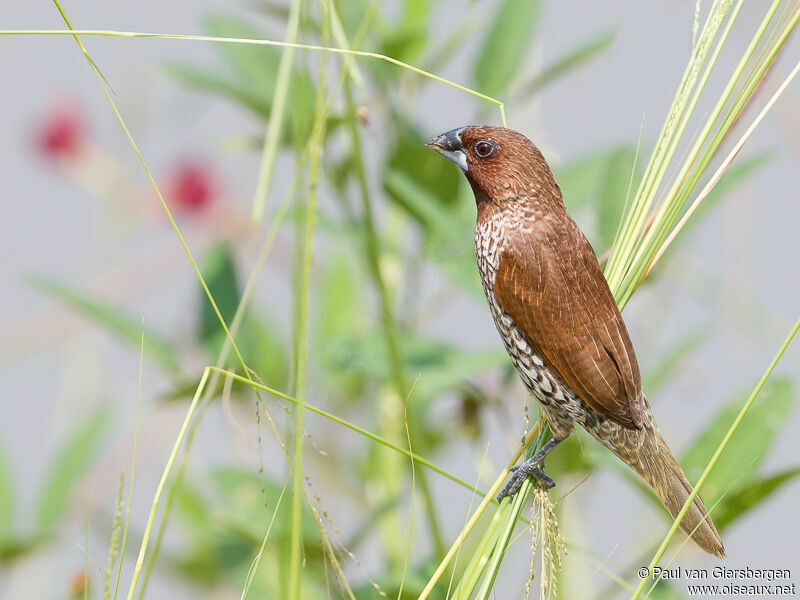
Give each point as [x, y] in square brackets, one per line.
[449, 145]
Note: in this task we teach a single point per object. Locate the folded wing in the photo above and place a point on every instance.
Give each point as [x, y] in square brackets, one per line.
[550, 283]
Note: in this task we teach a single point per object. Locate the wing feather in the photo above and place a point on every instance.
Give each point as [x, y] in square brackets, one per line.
[550, 283]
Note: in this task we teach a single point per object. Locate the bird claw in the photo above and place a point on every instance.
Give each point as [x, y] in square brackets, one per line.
[519, 473]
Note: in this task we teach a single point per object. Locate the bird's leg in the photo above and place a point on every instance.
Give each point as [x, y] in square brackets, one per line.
[532, 467]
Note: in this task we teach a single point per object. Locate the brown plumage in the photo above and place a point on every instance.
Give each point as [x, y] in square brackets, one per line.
[558, 319]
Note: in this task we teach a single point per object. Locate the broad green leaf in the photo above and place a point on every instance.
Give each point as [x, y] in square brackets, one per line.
[562, 65]
[244, 495]
[406, 37]
[613, 193]
[582, 179]
[671, 358]
[448, 232]
[735, 175]
[450, 46]
[351, 13]
[665, 590]
[265, 352]
[456, 368]
[6, 499]
[203, 79]
[220, 275]
[598, 184]
[72, 460]
[301, 109]
[749, 445]
[113, 319]
[408, 155]
[753, 493]
[256, 65]
[341, 306]
[504, 49]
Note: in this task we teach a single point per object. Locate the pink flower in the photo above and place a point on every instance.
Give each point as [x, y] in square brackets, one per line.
[191, 187]
[62, 132]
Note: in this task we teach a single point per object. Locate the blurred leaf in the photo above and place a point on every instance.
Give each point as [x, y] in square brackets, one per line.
[409, 156]
[665, 590]
[6, 499]
[406, 38]
[256, 65]
[251, 79]
[113, 319]
[613, 194]
[341, 306]
[734, 506]
[581, 178]
[455, 368]
[301, 115]
[204, 80]
[671, 358]
[264, 351]
[748, 446]
[451, 45]
[73, 459]
[580, 55]
[505, 46]
[599, 183]
[247, 498]
[448, 232]
[351, 13]
[220, 275]
[735, 175]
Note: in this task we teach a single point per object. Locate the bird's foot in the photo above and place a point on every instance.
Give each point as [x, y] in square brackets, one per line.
[519, 473]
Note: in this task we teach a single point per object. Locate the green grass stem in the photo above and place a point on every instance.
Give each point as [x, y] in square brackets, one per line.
[713, 461]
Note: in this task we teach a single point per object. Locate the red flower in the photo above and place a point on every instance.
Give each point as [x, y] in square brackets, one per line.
[61, 133]
[191, 187]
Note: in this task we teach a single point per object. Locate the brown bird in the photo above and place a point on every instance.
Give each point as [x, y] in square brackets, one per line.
[558, 319]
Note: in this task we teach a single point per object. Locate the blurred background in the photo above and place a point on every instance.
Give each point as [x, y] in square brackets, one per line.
[89, 256]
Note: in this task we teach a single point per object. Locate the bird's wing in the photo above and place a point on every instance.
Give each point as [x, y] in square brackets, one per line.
[550, 283]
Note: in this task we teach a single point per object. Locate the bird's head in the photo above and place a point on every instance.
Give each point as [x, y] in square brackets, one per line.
[499, 163]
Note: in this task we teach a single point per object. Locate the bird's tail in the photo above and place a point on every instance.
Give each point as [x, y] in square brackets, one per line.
[652, 459]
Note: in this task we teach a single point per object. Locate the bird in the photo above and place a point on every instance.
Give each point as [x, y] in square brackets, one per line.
[558, 319]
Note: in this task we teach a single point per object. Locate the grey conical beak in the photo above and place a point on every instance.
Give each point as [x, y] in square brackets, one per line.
[449, 145]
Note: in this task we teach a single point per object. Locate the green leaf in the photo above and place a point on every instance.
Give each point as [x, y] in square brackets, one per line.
[580, 179]
[113, 319]
[448, 231]
[207, 81]
[505, 46]
[220, 275]
[613, 193]
[735, 505]
[73, 459]
[406, 38]
[599, 183]
[351, 13]
[455, 368]
[665, 590]
[748, 446]
[408, 155]
[265, 352]
[341, 306]
[302, 107]
[735, 175]
[6, 500]
[672, 358]
[256, 65]
[562, 65]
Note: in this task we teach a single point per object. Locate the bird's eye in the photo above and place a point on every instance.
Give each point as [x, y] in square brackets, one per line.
[484, 149]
